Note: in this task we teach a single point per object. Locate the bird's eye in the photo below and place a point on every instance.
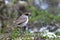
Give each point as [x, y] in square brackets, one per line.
[26, 14]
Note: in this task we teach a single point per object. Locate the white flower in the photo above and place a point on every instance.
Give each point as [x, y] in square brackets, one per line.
[49, 35]
[32, 38]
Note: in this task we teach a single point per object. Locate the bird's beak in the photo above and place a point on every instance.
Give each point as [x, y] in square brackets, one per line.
[29, 14]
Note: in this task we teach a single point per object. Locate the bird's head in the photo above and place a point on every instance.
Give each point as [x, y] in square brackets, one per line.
[27, 13]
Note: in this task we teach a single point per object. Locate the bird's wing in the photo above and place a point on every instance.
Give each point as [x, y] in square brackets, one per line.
[20, 20]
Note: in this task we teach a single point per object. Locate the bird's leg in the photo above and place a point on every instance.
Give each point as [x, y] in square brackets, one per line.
[24, 29]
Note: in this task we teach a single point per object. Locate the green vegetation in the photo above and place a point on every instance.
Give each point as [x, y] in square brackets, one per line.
[41, 16]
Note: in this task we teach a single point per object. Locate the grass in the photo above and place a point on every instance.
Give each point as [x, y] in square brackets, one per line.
[16, 35]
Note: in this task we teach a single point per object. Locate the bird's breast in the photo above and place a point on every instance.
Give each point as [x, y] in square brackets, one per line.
[25, 23]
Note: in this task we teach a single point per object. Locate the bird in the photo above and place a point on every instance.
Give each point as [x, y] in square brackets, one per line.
[23, 20]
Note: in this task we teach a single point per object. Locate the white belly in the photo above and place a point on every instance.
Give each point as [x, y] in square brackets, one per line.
[24, 24]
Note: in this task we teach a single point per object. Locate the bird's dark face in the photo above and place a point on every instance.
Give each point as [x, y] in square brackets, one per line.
[28, 13]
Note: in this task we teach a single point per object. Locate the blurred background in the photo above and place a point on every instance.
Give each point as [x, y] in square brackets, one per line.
[44, 19]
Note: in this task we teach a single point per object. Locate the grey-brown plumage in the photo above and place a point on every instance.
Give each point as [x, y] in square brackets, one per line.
[22, 20]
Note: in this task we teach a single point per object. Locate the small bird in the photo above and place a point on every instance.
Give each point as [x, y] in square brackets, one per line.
[23, 20]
